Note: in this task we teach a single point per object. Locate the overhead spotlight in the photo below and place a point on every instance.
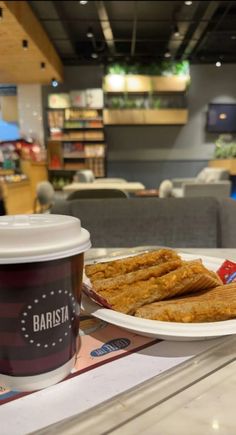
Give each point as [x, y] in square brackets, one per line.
[90, 33]
[94, 55]
[25, 44]
[188, 3]
[1, 14]
[42, 65]
[167, 54]
[176, 30]
[218, 63]
[54, 83]
[233, 37]
[83, 2]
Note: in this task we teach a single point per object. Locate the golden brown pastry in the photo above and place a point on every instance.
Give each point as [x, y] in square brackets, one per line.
[212, 305]
[114, 268]
[190, 277]
[113, 285]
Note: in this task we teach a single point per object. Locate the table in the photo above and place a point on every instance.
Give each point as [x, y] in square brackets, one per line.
[17, 197]
[147, 193]
[194, 397]
[128, 186]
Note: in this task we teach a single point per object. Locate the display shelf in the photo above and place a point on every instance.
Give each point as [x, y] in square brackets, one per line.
[76, 141]
[154, 100]
[82, 128]
[169, 84]
[228, 164]
[145, 116]
[139, 83]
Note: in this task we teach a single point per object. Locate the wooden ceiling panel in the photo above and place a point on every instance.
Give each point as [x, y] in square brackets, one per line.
[18, 65]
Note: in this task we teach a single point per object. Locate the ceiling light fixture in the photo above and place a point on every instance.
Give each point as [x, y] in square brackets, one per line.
[218, 64]
[43, 65]
[83, 2]
[188, 3]
[25, 44]
[167, 54]
[54, 83]
[1, 14]
[94, 55]
[90, 33]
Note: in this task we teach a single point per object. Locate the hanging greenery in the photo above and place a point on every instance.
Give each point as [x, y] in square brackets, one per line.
[165, 68]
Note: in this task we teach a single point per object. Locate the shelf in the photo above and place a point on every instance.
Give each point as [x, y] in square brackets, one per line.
[152, 92]
[76, 140]
[229, 164]
[67, 156]
[128, 83]
[75, 108]
[75, 145]
[84, 119]
[145, 116]
[82, 128]
[73, 156]
[169, 84]
[139, 83]
[62, 170]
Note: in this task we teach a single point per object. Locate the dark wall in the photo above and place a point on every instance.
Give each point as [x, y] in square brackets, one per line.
[151, 154]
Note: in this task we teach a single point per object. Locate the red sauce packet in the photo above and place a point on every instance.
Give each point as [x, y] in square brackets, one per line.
[227, 272]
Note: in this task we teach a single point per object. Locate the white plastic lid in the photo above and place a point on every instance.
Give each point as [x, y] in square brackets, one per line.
[29, 238]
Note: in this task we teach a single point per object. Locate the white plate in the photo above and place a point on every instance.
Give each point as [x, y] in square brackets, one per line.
[164, 330]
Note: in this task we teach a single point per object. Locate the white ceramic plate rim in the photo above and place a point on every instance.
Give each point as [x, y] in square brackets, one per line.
[168, 329]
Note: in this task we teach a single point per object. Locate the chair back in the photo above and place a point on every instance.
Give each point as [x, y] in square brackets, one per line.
[110, 180]
[173, 222]
[97, 193]
[44, 198]
[209, 175]
[84, 176]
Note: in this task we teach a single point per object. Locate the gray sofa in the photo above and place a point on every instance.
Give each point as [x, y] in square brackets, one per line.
[176, 222]
[213, 182]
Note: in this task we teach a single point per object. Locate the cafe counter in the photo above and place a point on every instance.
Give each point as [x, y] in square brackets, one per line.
[19, 194]
[17, 197]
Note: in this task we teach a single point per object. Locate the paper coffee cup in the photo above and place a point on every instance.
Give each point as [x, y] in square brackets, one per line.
[41, 267]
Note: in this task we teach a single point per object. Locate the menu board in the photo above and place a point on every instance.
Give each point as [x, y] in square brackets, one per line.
[58, 101]
[78, 98]
[94, 98]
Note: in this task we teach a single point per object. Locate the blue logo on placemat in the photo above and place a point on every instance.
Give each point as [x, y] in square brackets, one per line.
[111, 346]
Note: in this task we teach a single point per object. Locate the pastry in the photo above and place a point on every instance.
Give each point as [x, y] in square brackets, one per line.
[212, 305]
[190, 277]
[113, 285]
[114, 268]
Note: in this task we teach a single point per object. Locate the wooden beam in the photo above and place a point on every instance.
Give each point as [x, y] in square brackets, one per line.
[17, 65]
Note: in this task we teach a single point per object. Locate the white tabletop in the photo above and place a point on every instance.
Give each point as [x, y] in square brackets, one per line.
[197, 397]
[128, 186]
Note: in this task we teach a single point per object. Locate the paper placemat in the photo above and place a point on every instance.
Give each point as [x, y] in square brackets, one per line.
[110, 361]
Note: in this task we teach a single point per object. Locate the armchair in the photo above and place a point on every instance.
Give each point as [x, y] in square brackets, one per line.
[209, 182]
